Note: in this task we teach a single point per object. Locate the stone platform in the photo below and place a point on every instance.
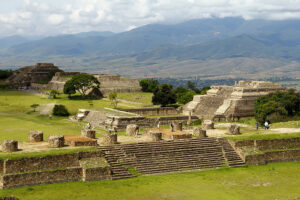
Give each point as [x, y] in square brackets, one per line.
[169, 135]
[74, 141]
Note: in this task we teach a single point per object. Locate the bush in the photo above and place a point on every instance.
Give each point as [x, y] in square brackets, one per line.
[60, 110]
[4, 74]
[197, 122]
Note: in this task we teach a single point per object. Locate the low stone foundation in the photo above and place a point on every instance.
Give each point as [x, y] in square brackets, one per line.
[56, 141]
[75, 141]
[88, 133]
[155, 136]
[36, 136]
[110, 139]
[96, 174]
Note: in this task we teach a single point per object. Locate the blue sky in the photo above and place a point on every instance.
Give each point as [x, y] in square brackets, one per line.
[52, 17]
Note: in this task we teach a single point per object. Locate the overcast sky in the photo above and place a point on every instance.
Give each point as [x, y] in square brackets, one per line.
[52, 17]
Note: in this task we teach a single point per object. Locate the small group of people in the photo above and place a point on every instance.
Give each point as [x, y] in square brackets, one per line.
[266, 125]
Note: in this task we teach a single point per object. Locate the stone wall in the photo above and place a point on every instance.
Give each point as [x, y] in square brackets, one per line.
[46, 162]
[275, 156]
[45, 177]
[1, 166]
[287, 143]
[153, 111]
[122, 122]
[96, 174]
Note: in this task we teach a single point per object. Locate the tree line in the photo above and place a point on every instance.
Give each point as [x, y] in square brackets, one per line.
[164, 94]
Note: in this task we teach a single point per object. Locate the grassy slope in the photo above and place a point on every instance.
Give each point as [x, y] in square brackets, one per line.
[272, 181]
[15, 122]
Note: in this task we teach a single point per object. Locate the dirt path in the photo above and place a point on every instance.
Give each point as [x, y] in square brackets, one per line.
[285, 130]
[46, 109]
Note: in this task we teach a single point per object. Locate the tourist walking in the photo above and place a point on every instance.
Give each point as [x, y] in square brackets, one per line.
[116, 130]
[266, 125]
[158, 124]
[50, 116]
[172, 126]
[137, 130]
[257, 125]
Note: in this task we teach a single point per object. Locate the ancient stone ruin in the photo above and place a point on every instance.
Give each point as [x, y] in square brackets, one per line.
[56, 141]
[230, 102]
[110, 139]
[36, 136]
[26, 76]
[9, 146]
[155, 136]
[207, 124]
[88, 133]
[131, 129]
[233, 129]
[199, 133]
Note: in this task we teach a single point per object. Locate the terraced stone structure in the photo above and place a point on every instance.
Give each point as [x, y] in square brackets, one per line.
[230, 102]
[28, 75]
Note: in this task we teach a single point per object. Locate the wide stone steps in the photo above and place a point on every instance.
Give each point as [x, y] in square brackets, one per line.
[170, 156]
[233, 159]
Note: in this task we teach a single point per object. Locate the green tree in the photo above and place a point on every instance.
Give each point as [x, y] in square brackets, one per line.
[34, 106]
[83, 82]
[149, 85]
[5, 74]
[277, 105]
[204, 90]
[54, 93]
[184, 95]
[113, 97]
[69, 88]
[192, 86]
[164, 95]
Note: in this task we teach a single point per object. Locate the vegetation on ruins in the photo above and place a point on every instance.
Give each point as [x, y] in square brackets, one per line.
[54, 93]
[82, 83]
[184, 95]
[149, 85]
[60, 110]
[277, 106]
[113, 97]
[5, 74]
[164, 95]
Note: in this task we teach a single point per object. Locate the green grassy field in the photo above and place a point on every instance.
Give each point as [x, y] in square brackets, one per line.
[278, 181]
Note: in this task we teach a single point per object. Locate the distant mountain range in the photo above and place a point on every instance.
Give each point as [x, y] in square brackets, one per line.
[220, 47]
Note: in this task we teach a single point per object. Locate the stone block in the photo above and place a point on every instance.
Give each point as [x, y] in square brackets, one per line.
[110, 139]
[178, 126]
[155, 136]
[56, 141]
[233, 129]
[36, 136]
[88, 133]
[9, 145]
[207, 124]
[199, 133]
[131, 129]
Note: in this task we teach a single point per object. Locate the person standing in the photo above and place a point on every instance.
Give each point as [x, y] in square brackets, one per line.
[158, 125]
[266, 125]
[257, 125]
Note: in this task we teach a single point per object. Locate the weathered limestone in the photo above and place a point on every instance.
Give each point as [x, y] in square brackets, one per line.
[230, 102]
[56, 141]
[207, 124]
[199, 133]
[233, 129]
[178, 126]
[110, 139]
[131, 129]
[88, 133]
[9, 146]
[36, 136]
[155, 136]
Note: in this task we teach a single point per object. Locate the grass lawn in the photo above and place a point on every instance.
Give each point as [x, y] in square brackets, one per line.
[273, 181]
[17, 101]
[141, 97]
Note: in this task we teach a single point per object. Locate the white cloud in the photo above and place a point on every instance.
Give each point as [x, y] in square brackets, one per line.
[55, 16]
[55, 19]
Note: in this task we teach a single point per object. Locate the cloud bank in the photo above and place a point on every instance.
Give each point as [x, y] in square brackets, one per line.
[52, 17]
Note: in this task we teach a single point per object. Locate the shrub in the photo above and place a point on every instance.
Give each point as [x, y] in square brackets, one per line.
[60, 110]
[148, 85]
[164, 95]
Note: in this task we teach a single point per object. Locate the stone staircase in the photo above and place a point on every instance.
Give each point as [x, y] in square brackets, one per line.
[233, 159]
[112, 156]
[224, 107]
[170, 156]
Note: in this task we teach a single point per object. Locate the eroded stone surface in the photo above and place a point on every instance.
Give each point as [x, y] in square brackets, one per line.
[36, 136]
[233, 129]
[88, 133]
[56, 141]
[199, 133]
[9, 145]
[131, 129]
[110, 139]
